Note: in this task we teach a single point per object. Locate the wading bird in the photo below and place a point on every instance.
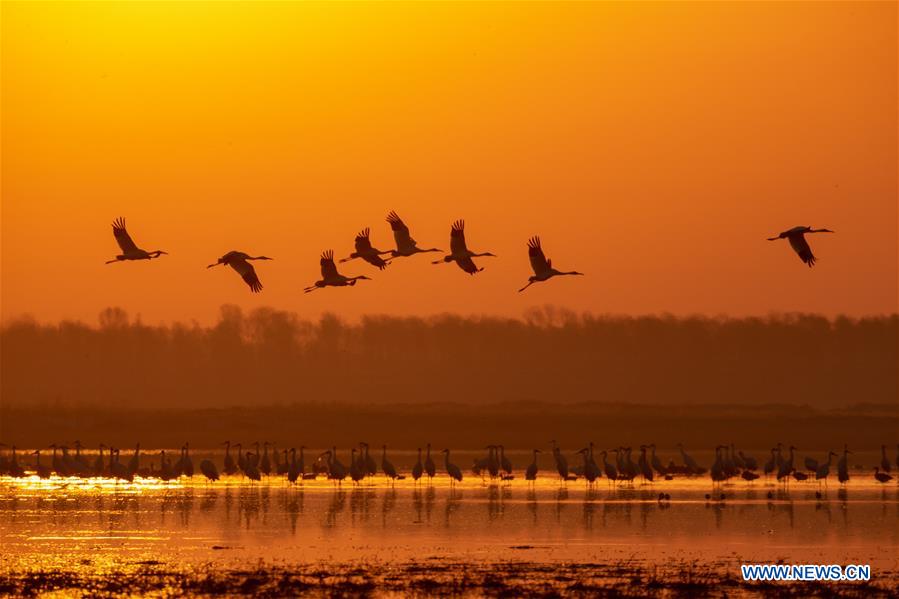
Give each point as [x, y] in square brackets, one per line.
[786, 467]
[796, 237]
[430, 467]
[209, 470]
[330, 276]
[843, 466]
[452, 470]
[823, 470]
[130, 251]
[40, 469]
[357, 471]
[884, 460]
[561, 462]
[365, 250]
[230, 466]
[531, 472]
[543, 268]
[882, 477]
[387, 466]
[239, 261]
[418, 468]
[459, 252]
[689, 462]
[405, 245]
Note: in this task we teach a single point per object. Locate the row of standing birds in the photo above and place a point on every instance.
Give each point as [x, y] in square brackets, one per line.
[406, 246]
[729, 463]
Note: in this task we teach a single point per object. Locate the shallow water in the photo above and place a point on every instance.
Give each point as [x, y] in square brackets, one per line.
[392, 535]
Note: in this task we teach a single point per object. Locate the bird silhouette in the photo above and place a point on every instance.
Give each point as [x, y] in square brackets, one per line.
[430, 467]
[364, 250]
[387, 466]
[209, 470]
[130, 251]
[405, 245]
[796, 237]
[330, 276]
[823, 470]
[418, 468]
[843, 466]
[881, 477]
[542, 267]
[239, 261]
[531, 472]
[459, 252]
[454, 472]
[561, 462]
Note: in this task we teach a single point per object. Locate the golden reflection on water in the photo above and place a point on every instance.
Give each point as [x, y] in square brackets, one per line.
[102, 530]
[98, 527]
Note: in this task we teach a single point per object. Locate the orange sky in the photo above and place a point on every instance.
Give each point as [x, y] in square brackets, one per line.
[652, 146]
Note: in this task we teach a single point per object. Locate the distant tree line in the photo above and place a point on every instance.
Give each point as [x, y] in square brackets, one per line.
[270, 357]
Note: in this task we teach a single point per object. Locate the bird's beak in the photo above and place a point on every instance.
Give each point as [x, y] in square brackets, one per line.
[211, 265]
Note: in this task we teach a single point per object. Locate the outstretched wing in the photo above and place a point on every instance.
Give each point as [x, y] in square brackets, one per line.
[457, 240]
[247, 273]
[122, 237]
[539, 263]
[329, 269]
[801, 247]
[400, 231]
[468, 265]
[363, 242]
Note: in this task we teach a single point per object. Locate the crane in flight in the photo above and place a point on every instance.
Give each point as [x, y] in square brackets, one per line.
[459, 252]
[239, 261]
[364, 250]
[330, 276]
[130, 251]
[405, 245]
[543, 268]
[796, 237]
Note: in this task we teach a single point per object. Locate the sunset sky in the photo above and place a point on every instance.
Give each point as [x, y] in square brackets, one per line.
[652, 146]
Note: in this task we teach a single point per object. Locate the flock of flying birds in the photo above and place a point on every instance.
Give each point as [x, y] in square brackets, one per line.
[622, 469]
[406, 246]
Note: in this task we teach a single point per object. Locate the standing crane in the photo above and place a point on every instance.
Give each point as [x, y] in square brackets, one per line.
[796, 237]
[364, 250]
[823, 470]
[418, 468]
[561, 462]
[330, 276]
[42, 470]
[209, 470]
[230, 465]
[430, 467]
[542, 267]
[371, 467]
[130, 251]
[387, 466]
[881, 477]
[459, 252]
[239, 261]
[405, 245]
[531, 472]
[689, 462]
[843, 466]
[786, 467]
[454, 472]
